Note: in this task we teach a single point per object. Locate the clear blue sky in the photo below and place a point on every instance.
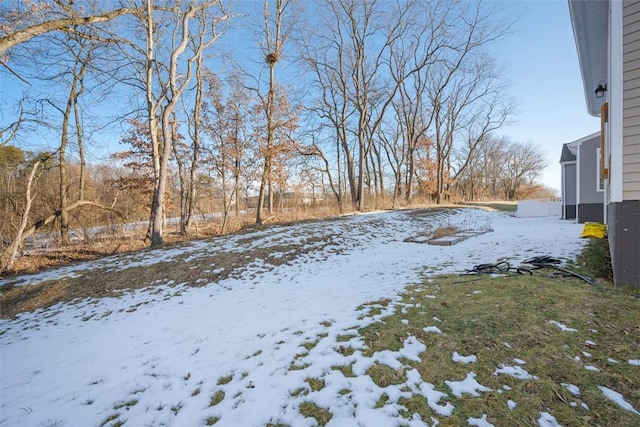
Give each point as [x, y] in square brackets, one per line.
[542, 65]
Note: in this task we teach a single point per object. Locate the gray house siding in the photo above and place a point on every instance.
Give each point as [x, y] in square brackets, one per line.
[582, 198]
[569, 192]
[588, 161]
[590, 200]
[624, 217]
[631, 100]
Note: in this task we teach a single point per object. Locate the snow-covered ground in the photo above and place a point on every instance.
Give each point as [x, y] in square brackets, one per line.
[158, 355]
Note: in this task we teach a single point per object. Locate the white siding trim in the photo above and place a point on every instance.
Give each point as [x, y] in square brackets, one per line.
[563, 197]
[598, 177]
[578, 179]
[615, 94]
[578, 142]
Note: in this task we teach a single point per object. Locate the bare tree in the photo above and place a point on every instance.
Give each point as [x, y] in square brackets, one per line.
[20, 26]
[33, 167]
[161, 109]
[223, 133]
[68, 64]
[8, 256]
[349, 56]
[519, 162]
[195, 130]
[189, 159]
[82, 52]
[411, 65]
[465, 87]
[278, 24]
[499, 169]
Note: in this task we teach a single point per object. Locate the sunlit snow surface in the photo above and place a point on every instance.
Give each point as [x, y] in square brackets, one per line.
[80, 364]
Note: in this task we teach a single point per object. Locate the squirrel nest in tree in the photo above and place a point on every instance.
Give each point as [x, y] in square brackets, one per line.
[271, 58]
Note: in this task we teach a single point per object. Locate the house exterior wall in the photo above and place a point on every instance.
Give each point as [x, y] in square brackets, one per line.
[623, 207]
[588, 163]
[590, 200]
[622, 137]
[569, 191]
[623, 231]
[631, 100]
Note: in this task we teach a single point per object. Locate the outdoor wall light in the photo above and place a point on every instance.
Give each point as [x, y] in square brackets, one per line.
[601, 89]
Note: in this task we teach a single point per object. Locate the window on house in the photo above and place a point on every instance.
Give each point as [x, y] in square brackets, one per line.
[599, 178]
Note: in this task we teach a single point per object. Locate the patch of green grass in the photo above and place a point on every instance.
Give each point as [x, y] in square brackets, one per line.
[389, 334]
[347, 370]
[315, 383]
[344, 391]
[126, 404]
[311, 410]
[380, 303]
[112, 417]
[346, 351]
[296, 367]
[384, 376]
[225, 380]
[217, 397]
[176, 408]
[595, 259]
[211, 421]
[384, 398]
[300, 391]
[499, 319]
[195, 392]
[326, 323]
[345, 337]
[310, 344]
[415, 404]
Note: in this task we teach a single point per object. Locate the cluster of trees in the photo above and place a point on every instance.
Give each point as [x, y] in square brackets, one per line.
[350, 99]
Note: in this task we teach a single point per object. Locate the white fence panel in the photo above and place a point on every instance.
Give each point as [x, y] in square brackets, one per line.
[541, 207]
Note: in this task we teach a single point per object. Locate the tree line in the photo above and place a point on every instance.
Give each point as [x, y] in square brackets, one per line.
[223, 106]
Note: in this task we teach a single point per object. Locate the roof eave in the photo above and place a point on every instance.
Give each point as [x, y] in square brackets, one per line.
[590, 22]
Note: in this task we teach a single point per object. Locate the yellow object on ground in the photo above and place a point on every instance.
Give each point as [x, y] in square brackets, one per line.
[594, 229]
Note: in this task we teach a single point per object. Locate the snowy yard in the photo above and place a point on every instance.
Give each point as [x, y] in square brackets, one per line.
[239, 351]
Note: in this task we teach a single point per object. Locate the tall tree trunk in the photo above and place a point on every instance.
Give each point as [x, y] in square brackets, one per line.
[274, 47]
[152, 108]
[265, 181]
[9, 256]
[236, 188]
[64, 178]
[175, 90]
[183, 188]
[197, 129]
[83, 162]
